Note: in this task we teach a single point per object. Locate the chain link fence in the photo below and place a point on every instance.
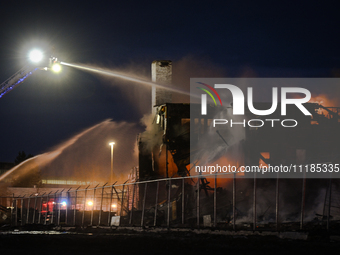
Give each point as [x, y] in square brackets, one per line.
[194, 202]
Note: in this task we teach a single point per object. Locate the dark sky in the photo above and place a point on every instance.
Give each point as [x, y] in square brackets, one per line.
[262, 39]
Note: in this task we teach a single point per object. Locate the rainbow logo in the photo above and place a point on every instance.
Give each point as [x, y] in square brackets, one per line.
[209, 93]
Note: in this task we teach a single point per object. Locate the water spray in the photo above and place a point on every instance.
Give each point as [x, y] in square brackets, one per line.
[125, 77]
[46, 158]
[36, 56]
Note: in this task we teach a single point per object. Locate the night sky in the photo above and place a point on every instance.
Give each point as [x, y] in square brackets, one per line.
[213, 38]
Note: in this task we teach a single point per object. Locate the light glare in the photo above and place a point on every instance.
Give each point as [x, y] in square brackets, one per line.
[56, 68]
[35, 56]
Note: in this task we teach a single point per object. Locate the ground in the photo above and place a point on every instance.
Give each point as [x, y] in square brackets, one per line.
[131, 242]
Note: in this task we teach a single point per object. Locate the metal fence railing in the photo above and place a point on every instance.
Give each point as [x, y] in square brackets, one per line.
[194, 201]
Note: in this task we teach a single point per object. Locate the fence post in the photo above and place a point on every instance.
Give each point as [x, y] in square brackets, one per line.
[35, 207]
[12, 209]
[254, 204]
[128, 202]
[133, 201]
[94, 204]
[329, 203]
[110, 204]
[40, 207]
[303, 200]
[277, 202]
[22, 211]
[16, 212]
[169, 198]
[156, 204]
[145, 189]
[183, 197]
[75, 206]
[101, 205]
[28, 209]
[198, 202]
[215, 200]
[60, 201]
[53, 203]
[234, 201]
[83, 215]
[122, 202]
[68, 204]
[48, 197]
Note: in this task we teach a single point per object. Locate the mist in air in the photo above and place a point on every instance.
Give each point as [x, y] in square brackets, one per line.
[87, 155]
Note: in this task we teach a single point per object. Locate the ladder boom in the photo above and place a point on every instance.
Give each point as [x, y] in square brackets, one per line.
[15, 79]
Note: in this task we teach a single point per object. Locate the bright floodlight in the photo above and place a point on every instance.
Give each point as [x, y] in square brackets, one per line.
[56, 68]
[89, 203]
[112, 143]
[114, 205]
[36, 56]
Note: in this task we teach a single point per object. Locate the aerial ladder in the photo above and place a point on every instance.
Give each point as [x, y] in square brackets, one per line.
[17, 78]
[20, 76]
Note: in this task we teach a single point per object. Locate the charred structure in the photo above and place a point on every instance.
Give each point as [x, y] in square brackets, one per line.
[164, 152]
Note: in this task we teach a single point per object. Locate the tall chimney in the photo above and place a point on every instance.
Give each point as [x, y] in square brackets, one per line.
[161, 72]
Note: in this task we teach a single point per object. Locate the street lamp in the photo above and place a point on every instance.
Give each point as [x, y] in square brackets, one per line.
[112, 145]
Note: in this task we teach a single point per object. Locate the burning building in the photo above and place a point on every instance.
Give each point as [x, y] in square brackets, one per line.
[168, 149]
[165, 190]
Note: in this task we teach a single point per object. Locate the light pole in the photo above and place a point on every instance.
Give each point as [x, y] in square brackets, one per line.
[112, 145]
